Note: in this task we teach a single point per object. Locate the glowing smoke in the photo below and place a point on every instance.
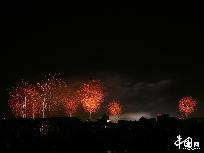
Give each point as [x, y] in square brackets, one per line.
[132, 116]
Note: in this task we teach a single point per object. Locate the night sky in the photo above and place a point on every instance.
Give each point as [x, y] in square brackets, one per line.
[148, 56]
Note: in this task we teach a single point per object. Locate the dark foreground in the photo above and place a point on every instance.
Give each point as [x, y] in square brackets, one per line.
[65, 135]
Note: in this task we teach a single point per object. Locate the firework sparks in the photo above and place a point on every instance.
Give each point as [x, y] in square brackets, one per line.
[187, 105]
[114, 108]
[50, 90]
[92, 95]
[71, 106]
[24, 100]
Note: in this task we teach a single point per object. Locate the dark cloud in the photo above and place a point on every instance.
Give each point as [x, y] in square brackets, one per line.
[137, 96]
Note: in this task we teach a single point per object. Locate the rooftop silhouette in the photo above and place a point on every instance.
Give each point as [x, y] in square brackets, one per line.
[73, 135]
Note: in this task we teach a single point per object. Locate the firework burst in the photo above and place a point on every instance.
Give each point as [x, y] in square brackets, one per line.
[50, 90]
[114, 108]
[24, 100]
[71, 106]
[91, 96]
[187, 105]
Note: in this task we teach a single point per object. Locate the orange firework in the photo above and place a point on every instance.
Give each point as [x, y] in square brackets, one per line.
[114, 108]
[49, 91]
[91, 96]
[71, 106]
[187, 105]
[24, 100]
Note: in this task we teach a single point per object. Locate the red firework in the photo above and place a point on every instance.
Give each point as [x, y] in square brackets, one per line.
[187, 105]
[71, 106]
[24, 100]
[91, 96]
[50, 90]
[114, 108]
